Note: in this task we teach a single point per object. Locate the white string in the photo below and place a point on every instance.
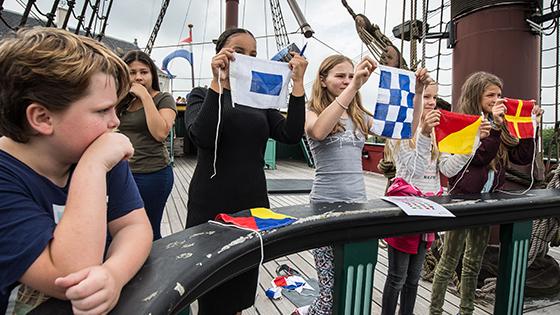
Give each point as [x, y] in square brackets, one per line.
[503, 191]
[415, 159]
[219, 120]
[532, 174]
[468, 162]
[463, 173]
[252, 231]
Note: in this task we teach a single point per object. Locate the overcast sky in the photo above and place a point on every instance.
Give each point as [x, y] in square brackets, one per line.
[333, 25]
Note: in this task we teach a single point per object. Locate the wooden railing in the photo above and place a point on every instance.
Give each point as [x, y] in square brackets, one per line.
[183, 266]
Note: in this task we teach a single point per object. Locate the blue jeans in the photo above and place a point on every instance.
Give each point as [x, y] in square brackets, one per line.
[402, 277]
[154, 188]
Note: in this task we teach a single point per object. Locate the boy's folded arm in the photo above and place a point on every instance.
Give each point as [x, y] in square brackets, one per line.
[131, 244]
[79, 238]
[41, 275]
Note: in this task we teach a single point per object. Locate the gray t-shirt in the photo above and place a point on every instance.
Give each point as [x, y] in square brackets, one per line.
[338, 166]
[150, 155]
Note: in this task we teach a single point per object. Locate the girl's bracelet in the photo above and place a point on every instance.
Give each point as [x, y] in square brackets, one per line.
[336, 100]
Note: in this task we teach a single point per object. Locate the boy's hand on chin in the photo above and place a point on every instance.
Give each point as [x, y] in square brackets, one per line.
[109, 149]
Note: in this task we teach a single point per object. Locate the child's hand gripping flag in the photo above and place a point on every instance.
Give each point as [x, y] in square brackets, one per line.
[457, 133]
[519, 121]
[394, 109]
[258, 219]
[259, 83]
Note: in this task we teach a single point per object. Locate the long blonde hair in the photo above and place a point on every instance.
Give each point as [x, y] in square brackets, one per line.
[321, 98]
[470, 102]
[389, 153]
[472, 92]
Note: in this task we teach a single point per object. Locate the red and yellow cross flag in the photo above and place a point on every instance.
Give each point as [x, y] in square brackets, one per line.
[456, 133]
[518, 118]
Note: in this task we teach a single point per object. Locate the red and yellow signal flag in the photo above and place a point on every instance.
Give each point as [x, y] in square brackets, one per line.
[456, 133]
[518, 118]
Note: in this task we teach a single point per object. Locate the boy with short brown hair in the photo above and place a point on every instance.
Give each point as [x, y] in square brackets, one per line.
[64, 179]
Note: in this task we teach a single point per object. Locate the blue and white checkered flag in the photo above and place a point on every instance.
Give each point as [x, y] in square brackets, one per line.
[259, 83]
[394, 109]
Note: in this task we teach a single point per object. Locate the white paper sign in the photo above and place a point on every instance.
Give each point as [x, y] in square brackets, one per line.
[418, 206]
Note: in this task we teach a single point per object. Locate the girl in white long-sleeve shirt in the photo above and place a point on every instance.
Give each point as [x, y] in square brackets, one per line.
[417, 163]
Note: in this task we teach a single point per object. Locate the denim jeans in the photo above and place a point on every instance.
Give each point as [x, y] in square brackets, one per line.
[402, 278]
[473, 242]
[154, 188]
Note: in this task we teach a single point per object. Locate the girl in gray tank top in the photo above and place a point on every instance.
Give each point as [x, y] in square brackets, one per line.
[336, 125]
[337, 175]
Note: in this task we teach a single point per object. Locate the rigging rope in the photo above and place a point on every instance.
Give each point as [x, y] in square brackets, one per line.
[413, 35]
[326, 45]
[424, 30]
[184, 22]
[204, 36]
[362, 44]
[152, 19]
[243, 19]
[20, 2]
[402, 27]
[37, 8]
[557, 70]
[385, 18]
[73, 13]
[265, 29]
[371, 35]
[97, 18]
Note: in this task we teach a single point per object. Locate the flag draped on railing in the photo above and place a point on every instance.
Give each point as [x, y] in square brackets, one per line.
[258, 219]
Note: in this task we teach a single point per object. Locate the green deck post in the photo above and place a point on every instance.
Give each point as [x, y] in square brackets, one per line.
[270, 154]
[354, 267]
[514, 248]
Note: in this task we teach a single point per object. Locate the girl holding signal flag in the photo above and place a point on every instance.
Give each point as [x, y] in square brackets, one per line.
[481, 171]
